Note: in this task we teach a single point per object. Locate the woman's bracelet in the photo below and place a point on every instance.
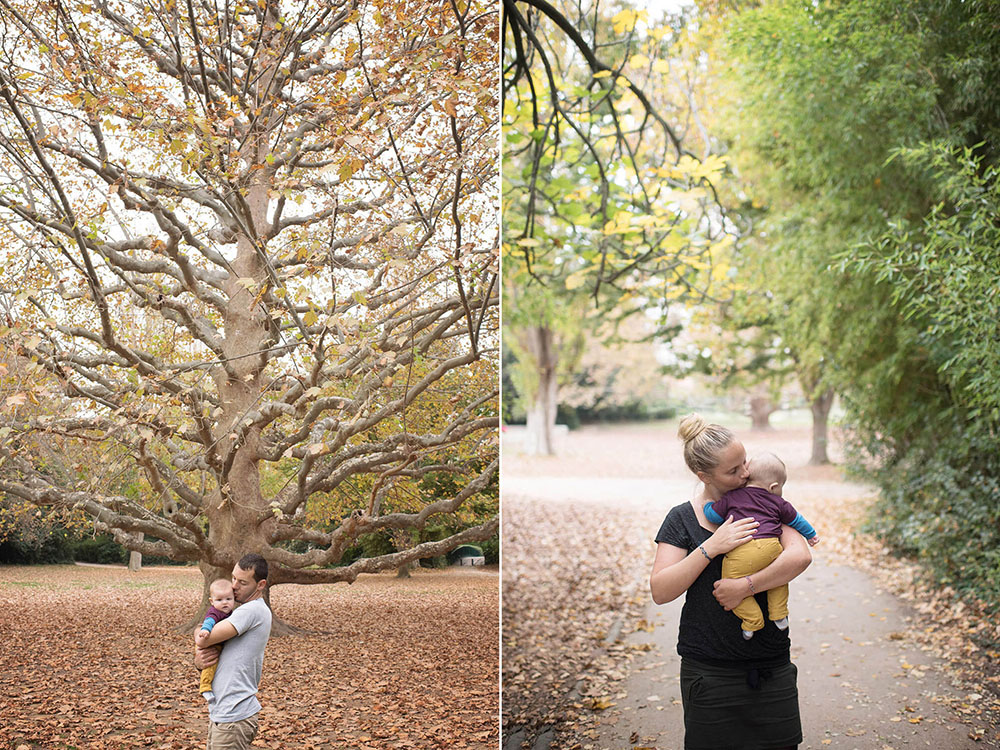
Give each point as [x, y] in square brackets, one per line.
[704, 553]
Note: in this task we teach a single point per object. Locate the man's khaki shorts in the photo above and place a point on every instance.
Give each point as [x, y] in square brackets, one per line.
[236, 735]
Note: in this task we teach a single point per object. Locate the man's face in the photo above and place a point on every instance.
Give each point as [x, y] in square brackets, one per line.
[244, 585]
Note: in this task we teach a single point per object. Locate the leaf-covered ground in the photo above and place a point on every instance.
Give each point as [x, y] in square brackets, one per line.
[578, 546]
[89, 658]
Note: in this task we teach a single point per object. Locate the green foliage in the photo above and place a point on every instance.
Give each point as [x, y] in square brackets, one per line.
[943, 274]
[29, 536]
[629, 411]
[941, 504]
[866, 133]
[101, 549]
[607, 210]
[491, 550]
[35, 550]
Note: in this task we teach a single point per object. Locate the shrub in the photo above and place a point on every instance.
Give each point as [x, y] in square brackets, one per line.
[941, 505]
[491, 550]
[101, 549]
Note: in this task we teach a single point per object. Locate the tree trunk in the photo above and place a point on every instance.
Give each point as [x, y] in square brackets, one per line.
[761, 409]
[541, 417]
[134, 561]
[820, 408]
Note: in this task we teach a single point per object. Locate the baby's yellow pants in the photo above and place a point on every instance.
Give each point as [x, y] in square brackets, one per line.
[207, 674]
[747, 559]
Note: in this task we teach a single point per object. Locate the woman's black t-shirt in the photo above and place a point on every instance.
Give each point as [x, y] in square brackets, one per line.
[708, 632]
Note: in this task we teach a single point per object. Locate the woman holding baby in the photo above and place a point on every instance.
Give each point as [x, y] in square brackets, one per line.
[737, 692]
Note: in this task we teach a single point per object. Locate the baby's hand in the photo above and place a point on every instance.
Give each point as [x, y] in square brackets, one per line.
[201, 637]
[814, 541]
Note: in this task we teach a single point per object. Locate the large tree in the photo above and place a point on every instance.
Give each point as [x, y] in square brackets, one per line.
[244, 241]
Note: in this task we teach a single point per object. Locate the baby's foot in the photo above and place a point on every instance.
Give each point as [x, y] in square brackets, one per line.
[747, 635]
[782, 624]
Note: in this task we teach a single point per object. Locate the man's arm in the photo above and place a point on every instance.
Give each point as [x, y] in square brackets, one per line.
[795, 557]
[205, 657]
[223, 631]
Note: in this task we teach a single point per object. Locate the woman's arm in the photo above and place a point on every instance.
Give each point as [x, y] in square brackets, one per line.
[674, 569]
[795, 557]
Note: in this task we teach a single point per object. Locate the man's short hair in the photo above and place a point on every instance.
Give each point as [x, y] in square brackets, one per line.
[256, 563]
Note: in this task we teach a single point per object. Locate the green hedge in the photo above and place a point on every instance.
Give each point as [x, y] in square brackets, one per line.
[940, 504]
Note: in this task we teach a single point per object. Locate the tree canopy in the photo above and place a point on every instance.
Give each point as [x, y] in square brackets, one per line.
[244, 242]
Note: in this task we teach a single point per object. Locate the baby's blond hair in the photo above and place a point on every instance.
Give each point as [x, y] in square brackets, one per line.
[702, 442]
[767, 469]
[218, 584]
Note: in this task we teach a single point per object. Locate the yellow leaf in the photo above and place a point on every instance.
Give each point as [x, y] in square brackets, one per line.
[599, 704]
[624, 21]
[602, 74]
[661, 66]
[639, 61]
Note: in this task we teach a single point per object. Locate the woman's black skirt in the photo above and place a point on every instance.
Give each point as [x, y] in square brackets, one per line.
[739, 709]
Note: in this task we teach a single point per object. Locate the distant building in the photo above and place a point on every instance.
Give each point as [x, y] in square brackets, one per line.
[467, 554]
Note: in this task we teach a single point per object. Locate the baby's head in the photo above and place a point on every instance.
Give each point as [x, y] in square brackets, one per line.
[767, 471]
[220, 594]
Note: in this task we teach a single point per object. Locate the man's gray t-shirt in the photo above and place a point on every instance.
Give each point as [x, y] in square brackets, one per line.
[234, 687]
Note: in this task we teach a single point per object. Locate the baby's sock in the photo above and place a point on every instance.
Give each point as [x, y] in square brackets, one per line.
[747, 635]
[782, 624]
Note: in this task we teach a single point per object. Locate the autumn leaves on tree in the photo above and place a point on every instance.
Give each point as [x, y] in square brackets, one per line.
[610, 198]
[250, 261]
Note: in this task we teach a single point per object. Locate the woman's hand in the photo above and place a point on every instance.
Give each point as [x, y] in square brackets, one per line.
[729, 592]
[730, 535]
[794, 558]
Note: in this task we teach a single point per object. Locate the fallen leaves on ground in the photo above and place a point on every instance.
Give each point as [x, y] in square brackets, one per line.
[89, 658]
[571, 571]
[958, 630]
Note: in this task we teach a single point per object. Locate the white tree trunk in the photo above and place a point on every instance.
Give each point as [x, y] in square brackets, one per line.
[541, 416]
[820, 408]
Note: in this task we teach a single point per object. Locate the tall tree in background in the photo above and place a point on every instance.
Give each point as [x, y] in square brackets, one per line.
[247, 240]
[609, 199]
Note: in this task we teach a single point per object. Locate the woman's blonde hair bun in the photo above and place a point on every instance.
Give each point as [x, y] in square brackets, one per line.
[691, 427]
[703, 442]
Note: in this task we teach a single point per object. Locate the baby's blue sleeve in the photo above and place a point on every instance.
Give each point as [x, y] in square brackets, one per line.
[712, 516]
[801, 525]
[208, 624]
